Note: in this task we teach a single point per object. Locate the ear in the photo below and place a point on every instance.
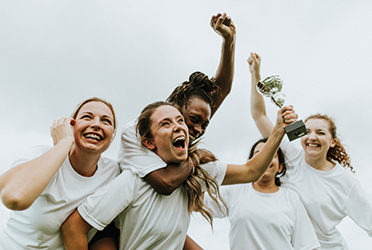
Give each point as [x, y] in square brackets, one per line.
[334, 142]
[280, 170]
[149, 143]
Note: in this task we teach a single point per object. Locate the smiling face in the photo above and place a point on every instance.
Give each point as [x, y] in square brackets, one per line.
[169, 135]
[94, 127]
[275, 167]
[197, 115]
[318, 140]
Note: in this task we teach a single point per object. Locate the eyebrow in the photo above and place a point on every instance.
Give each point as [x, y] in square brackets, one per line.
[91, 113]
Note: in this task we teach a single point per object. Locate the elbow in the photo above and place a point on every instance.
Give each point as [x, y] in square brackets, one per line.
[14, 201]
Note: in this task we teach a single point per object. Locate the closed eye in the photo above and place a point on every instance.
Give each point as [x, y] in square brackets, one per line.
[106, 120]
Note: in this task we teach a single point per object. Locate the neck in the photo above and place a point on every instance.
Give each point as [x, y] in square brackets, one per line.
[265, 187]
[319, 163]
[84, 163]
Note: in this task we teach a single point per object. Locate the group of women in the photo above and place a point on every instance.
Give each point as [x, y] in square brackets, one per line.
[62, 195]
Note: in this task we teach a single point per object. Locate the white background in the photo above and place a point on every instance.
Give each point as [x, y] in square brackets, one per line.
[54, 54]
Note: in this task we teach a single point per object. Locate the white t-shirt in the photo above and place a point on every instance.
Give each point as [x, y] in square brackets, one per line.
[38, 227]
[265, 220]
[328, 196]
[132, 155]
[147, 220]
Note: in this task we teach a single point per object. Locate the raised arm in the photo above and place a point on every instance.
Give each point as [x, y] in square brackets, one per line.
[18, 188]
[224, 26]
[256, 167]
[258, 110]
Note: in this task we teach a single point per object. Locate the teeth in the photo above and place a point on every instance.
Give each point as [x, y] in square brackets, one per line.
[93, 136]
[192, 137]
[312, 145]
[181, 138]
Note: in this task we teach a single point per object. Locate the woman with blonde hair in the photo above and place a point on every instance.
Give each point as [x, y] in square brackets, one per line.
[45, 186]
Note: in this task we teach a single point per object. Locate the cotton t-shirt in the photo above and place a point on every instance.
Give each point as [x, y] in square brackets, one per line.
[328, 196]
[132, 155]
[38, 227]
[265, 221]
[147, 219]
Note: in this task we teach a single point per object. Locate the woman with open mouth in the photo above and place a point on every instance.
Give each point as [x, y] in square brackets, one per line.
[318, 172]
[147, 219]
[45, 186]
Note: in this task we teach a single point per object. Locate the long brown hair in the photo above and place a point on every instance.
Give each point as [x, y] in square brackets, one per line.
[192, 183]
[338, 152]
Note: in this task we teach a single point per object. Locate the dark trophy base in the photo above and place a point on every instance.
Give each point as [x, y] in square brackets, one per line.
[296, 130]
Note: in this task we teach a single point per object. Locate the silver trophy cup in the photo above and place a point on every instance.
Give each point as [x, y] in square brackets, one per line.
[271, 87]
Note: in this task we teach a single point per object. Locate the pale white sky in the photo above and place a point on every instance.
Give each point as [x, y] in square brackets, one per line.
[54, 54]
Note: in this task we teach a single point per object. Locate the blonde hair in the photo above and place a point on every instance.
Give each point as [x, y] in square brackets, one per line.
[338, 152]
[96, 99]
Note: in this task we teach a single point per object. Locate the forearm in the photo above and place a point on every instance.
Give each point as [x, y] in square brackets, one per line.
[258, 109]
[168, 179]
[190, 244]
[255, 167]
[225, 72]
[18, 187]
[74, 232]
[262, 160]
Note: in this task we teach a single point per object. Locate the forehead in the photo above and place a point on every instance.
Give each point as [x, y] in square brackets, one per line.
[96, 108]
[164, 112]
[198, 105]
[316, 123]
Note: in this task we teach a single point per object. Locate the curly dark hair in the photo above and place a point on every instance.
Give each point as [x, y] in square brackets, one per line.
[198, 85]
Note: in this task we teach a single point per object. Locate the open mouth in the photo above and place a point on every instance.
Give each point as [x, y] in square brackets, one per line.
[179, 142]
[94, 137]
[312, 145]
[192, 138]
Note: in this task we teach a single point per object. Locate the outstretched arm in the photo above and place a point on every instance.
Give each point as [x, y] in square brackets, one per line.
[224, 26]
[256, 167]
[18, 188]
[74, 232]
[258, 110]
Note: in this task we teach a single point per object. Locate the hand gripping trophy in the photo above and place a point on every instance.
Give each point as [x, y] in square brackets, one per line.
[271, 86]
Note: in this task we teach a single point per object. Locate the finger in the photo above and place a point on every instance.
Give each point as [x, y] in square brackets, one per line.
[220, 20]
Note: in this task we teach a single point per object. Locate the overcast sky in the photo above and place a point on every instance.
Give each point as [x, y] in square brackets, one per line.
[54, 54]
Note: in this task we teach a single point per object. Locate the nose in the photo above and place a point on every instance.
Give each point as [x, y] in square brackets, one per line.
[311, 135]
[96, 123]
[198, 130]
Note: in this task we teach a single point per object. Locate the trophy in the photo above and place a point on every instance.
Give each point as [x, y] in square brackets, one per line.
[272, 86]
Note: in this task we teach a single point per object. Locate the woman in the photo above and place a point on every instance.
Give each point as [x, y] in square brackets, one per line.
[45, 186]
[264, 215]
[199, 97]
[147, 219]
[318, 172]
